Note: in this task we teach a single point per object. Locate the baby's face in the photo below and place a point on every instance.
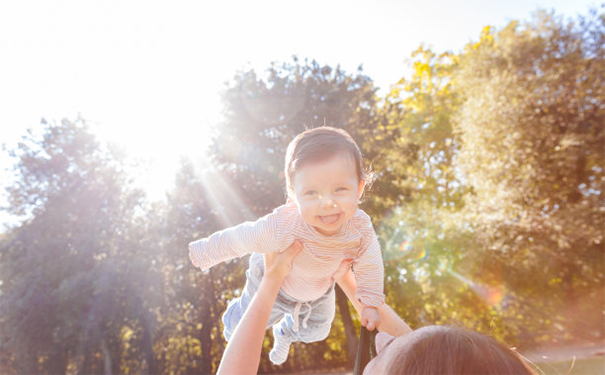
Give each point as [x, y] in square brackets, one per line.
[327, 193]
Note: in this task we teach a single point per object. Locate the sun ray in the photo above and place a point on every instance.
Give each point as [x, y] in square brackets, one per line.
[224, 200]
[492, 295]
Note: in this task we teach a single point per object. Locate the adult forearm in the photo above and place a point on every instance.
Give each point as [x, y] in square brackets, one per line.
[243, 351]
[242, 355]
[348, 285]
[391, 323]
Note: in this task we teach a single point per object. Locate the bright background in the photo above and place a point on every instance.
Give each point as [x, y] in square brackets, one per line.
[147, 74]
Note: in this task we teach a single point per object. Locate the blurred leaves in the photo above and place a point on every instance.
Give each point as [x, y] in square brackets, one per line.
[488, 204]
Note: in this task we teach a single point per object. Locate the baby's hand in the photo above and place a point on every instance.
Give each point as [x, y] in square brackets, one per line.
[370, 318]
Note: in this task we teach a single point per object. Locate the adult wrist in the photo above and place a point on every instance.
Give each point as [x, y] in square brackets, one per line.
[273, 278]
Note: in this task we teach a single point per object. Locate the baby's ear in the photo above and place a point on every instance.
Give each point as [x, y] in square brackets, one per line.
[360, 188]
[289, 195]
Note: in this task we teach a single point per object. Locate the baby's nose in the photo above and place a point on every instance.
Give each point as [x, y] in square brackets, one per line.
[327, 201]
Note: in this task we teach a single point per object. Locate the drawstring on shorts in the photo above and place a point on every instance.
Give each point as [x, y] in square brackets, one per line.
[296, 313]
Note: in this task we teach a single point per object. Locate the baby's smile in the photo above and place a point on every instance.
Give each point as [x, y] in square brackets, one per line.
[329, 219]
[327, 193]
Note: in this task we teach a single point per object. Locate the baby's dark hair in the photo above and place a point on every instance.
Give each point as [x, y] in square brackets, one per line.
[319, 144]
[454, 350]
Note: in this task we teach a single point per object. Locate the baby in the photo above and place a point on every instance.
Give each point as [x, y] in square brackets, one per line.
[325, 180]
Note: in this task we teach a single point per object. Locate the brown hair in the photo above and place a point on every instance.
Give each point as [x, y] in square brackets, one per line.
[453, 350]
[319, 144]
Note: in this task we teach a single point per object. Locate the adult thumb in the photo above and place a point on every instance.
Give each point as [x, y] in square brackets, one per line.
[294, 249]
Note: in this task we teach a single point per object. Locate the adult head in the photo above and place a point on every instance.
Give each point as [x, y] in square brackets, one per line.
[444, 350]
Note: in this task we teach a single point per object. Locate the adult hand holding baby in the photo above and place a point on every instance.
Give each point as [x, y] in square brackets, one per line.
[279, 265]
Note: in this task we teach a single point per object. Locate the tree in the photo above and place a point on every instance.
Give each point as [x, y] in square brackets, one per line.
[193, 301]
[532, 134]
[414, 138]
[74, 274]
[479, 142]
[421, 243]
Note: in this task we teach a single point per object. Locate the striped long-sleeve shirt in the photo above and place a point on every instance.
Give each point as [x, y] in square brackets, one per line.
[312, 269]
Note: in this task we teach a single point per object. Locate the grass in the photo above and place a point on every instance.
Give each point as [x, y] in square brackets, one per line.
[588, 366]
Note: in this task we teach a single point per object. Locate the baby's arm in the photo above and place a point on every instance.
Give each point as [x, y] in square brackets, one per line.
[368, 270]
[235, 242]
[391, 323]
[370, 316]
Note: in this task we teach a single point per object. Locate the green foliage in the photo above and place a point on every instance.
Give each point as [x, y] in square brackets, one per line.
[503, 228]
[189, 336]
[488, 204]
[532, 135]
[64, 267]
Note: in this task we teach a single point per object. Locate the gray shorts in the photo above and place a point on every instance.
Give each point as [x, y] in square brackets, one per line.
[305, 321]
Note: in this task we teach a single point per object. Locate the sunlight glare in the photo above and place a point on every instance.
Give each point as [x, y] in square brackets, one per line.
[156, 141]
[224, 200]
[492, 295]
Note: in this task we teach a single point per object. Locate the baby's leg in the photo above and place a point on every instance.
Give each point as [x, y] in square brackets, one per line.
[283, 336]
[237, 307]
[319, 321]
[309, 322]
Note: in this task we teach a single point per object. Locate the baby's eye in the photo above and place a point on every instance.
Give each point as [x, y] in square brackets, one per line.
[311, 193]
[341, 189]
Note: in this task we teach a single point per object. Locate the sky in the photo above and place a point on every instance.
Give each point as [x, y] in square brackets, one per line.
[147, 75]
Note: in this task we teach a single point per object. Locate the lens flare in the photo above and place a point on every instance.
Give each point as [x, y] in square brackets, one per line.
[422, 255]
[413, 255]
[494, 296]
[491, 294]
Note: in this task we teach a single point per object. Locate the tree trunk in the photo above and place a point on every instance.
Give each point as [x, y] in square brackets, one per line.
[85, 368]
[148, 344]
[106, 358]
[206, 320]
[26, 361]
[58, 362]
[347, 322]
